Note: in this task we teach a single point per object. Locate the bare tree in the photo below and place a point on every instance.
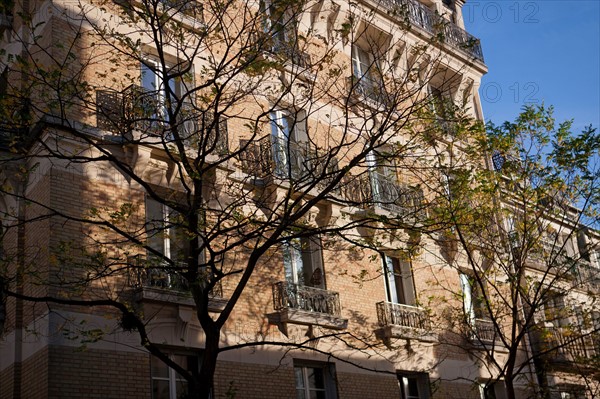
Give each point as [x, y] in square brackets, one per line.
[189, 147]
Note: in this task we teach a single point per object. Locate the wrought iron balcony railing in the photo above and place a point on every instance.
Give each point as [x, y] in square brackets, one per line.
[371, 89]
[140, 109]
[417, 14]
[377, 190]
[562, 345]
[402, 315]
[290, 52]
[484, 331]
[586, 275]
[298, 297]
[285, 159]
[151, 272]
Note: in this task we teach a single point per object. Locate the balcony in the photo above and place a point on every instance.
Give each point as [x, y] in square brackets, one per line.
[403, 321]
[415, 13]
[305, 305]
[562, 348]
[286, 160]
[290, 52]
[156, 281]
[586, 276]
[483, 332]
[370, 89]
[136, 108]
[377, 191]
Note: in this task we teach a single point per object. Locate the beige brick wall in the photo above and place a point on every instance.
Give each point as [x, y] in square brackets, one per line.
[75, 374]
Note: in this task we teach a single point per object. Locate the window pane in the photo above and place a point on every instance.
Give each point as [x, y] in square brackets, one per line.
[159, 368]
[160, 389]
[299, 378]
[300, 394]
[182, 390]
[149, 78]
[413, 387]
[315, 378]
[317, 395]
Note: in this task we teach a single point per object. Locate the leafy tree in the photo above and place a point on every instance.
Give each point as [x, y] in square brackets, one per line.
[524, 241]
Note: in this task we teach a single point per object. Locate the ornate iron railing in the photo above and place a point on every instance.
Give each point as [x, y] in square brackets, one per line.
[152, 272]
[586, 275]
[285, 159]
[571, 346]
[378, 190]
[485, 330]
[370, 88]
[415, 13]
[144, 110]
[290, 52]
[402, 315]
[293, 296]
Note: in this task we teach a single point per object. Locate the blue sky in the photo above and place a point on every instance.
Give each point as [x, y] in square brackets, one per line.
[539, 51]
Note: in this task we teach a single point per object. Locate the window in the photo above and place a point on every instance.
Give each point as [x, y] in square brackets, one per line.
[165, 232]
[280, 23]
[150, 106]
[315, 380]
[492, 390]
[364, 70]
[473, 298]
[569, 391]
[399, 285]
[443, 108]
[303, 262]
[166, 383]
[413, 385]
[289, 138]
[555, 310]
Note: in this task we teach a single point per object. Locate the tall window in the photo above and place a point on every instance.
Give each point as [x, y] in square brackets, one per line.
[364, 70]
[413, 385]
[315, 380]
[303, 262]
[168, 384]
[152, 101]
[289, 137]
[473, 298]
[399, 285]
[164, 231]
[555, 313]
[280, 23]
[492, 390]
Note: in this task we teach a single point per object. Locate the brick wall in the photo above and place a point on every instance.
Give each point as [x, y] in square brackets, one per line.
[102, 374]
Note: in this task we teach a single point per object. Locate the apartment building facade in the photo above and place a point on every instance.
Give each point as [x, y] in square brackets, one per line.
[270, 171]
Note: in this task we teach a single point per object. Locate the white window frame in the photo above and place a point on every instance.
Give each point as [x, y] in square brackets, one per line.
[303, 262]
[173, 377]
[288, 132]
[422, 384]
[495, 388]
[399, 284]
[328, 372]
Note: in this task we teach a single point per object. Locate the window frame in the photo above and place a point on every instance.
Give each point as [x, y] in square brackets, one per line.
[173, 378]
[289, 138]
[328, 375]
[303, 262]
[399, 281]
[473, 304]
[422, 384]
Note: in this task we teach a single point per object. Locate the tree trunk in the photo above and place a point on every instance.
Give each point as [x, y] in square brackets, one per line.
[510, 387]
[205, 384]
